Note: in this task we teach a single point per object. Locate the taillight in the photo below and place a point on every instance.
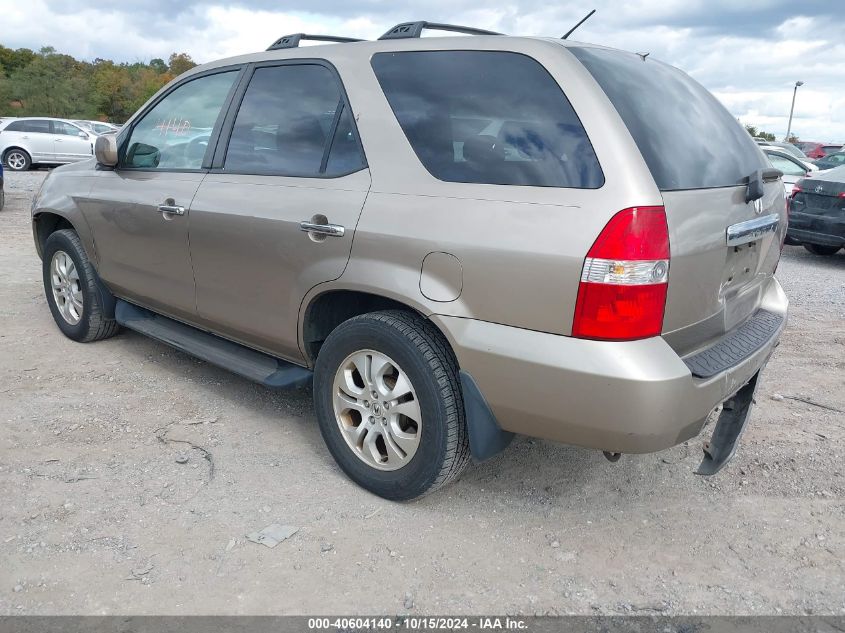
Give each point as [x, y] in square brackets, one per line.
[622, 294]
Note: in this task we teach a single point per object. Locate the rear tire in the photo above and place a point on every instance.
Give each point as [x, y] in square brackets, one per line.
[818, 249]
[17, 159]
[81, 305]
[396, 457]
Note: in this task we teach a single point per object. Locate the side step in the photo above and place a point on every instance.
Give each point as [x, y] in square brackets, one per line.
[267, 370]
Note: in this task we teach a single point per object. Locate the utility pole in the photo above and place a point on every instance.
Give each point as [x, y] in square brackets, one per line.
[791, 110]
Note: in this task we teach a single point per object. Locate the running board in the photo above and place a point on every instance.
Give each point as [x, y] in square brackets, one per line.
[267, 370]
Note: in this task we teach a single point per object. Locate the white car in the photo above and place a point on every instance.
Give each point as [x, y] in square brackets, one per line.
[792, 168]
[28, 141]
[97, 127]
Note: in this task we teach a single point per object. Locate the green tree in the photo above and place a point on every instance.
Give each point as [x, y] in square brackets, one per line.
[179, 63]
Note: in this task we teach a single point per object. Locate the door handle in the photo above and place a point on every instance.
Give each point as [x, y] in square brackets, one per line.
[334, 230]
[172, 209]
[58, 140]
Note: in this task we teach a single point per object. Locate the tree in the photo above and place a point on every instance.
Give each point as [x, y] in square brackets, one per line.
[179, 63]
[48, 83]
[753, 131]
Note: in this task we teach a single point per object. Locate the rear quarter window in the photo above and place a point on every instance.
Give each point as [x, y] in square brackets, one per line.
[487, 117]
[687, 138]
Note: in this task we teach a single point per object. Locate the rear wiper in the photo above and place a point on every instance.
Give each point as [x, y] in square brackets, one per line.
[756, 180]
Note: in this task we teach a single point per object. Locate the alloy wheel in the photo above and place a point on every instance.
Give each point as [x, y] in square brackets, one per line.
[67, 289]
[377, 410]
[15, 160]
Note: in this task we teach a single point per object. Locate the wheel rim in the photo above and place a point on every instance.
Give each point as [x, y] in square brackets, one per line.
[377, 410]
[67, 290]
[15, 160]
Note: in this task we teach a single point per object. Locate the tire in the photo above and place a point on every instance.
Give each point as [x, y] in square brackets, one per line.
[438, 441]
[93, 320]
[818, 249]
[17, 159]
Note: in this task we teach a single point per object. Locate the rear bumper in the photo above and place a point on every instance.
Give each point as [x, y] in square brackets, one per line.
[627, 397]
[827, 229]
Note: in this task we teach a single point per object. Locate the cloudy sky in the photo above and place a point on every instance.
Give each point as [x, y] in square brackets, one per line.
[748, 52]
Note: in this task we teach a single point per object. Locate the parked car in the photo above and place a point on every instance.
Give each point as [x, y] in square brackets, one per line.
[545, 242]
[789, 148]
[820, 150]
[831, 161]
[805, 162]
[791, 168]
[817, 212]
[28, 141]
[97, 127]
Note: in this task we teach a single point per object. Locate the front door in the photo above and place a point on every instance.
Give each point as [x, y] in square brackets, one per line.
[71, 143]
[292, 157]
[139, 212]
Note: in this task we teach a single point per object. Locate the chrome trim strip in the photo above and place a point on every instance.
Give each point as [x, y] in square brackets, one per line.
[751, 230]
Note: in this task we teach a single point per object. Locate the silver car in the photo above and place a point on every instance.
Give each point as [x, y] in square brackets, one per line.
[29, 141]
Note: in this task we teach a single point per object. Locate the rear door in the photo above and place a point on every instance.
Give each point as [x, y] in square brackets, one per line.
[701, 160]
[36, 136]
[291, 161]
[139, 211]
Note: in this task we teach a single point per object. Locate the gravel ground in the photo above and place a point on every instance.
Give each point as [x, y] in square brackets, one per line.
[98, 517]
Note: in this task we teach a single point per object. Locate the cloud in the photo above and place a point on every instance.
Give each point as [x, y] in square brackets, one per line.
[748, 53]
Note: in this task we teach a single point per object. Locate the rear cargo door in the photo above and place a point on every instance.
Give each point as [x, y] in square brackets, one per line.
[724, 246]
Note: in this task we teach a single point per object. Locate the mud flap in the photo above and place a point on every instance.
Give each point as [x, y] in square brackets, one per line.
[486, 437]
[732, 420]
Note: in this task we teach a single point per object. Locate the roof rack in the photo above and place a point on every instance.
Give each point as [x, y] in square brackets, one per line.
[414, 29]
[292, 41]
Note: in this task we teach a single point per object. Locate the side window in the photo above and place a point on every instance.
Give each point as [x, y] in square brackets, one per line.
[174, 134]
[487, 117]
[16, 126]
[786, 166]
[293, 122]
[65, 129]
[38, 126]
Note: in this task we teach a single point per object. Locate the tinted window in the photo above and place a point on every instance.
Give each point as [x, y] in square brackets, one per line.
[286, 121]
[175, 133]
[37, 125]
[831, 149]
[687, 138]
[487, 117]
[786, 165]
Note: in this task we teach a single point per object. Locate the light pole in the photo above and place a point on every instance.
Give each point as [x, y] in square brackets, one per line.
[789, 126]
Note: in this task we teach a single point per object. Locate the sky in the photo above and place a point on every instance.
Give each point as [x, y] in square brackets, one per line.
[749, 53]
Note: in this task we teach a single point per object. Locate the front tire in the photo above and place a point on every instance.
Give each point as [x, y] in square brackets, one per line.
[17, 159]
[409, 439]
[818, 249]
[81, 306]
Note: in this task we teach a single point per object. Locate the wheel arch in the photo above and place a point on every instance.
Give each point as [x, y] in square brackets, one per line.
[323, 311]
[45, 223]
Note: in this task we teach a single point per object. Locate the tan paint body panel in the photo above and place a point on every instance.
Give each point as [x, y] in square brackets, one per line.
[253, 264]
[144, 254]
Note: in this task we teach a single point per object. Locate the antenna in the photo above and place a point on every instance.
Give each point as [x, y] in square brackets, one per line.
[584, 19]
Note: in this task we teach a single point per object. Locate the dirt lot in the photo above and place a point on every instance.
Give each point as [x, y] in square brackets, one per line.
[96, 515]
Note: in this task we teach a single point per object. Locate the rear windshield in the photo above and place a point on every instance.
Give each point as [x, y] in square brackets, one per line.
[687, 138]
[490, 117]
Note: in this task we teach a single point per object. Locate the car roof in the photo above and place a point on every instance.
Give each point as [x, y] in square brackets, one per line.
[370, 47]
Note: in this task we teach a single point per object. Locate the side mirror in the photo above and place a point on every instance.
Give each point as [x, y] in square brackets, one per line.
[82, 134]
[105, 149]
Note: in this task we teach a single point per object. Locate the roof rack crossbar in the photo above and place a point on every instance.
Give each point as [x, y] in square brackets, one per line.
[415, 29]
[292, 41]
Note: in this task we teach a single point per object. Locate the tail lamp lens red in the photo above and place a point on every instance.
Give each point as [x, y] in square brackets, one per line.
[622, 294]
